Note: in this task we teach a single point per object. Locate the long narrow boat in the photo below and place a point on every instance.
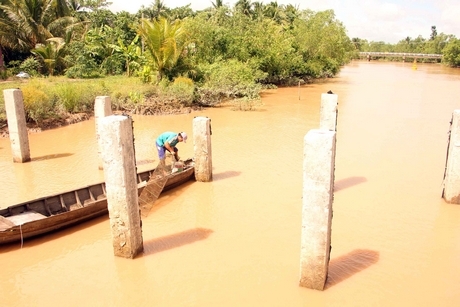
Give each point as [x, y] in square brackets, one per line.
[47, 214]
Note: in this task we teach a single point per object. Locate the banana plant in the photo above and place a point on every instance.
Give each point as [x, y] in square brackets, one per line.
[130, 53]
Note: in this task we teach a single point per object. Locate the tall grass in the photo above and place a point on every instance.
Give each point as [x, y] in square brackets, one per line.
[59, 96]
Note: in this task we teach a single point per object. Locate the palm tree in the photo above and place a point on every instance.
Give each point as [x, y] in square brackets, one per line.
[155, 11]
[244, 6]
[52, 54]
[2, 36]
[275, 11]
[26, 23]
[217, 4]
[164, 41]
[258, 8]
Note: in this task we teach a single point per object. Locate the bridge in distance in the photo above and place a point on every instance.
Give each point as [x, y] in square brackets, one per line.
[400, 55]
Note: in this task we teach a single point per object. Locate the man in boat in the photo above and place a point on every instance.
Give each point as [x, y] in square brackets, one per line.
[168, 141]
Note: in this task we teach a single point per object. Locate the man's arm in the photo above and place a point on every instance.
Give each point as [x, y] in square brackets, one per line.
[171, 150]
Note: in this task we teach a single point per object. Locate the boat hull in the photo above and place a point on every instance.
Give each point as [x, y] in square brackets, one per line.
[56, 212]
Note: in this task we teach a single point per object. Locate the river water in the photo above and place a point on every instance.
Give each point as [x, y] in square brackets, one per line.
[235, 241]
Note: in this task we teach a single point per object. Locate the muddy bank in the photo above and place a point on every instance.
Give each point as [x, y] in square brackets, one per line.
[53, 123]
[33, 127]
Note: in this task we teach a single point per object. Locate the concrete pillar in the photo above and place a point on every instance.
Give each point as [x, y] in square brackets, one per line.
[202, 148]
[102, 108]
[117, 145]
[318, 194]
[451, 191]
[17, 128]
[328, 112]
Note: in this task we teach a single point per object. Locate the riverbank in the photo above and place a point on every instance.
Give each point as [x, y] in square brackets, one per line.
[53, 123]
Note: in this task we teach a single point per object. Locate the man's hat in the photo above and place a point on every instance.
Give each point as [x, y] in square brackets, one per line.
[184, 136]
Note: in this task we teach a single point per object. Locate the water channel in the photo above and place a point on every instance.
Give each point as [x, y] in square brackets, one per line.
[235, 241]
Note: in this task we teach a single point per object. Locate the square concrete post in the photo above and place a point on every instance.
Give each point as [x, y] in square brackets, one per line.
[117, 146]
[318, 194]
[102, 108]
[17, 128]
[328, 112]
[202, 148]
[451, 191]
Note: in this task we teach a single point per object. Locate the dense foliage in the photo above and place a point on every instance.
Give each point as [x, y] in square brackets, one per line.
[81, 39]
[189, 57]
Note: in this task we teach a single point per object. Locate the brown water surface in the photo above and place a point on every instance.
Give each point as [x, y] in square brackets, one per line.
[235, 241]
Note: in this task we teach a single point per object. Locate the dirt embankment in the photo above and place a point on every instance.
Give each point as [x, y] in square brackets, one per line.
[33, 127]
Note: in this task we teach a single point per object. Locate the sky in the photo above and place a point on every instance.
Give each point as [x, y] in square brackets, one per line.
[374, 20]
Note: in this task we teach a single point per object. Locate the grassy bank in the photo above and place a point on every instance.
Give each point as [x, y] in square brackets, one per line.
[56, 99]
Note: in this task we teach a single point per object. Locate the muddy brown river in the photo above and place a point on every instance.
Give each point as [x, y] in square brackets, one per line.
[235, 241]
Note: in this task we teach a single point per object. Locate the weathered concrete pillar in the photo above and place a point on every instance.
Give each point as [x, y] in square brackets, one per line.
[328, 112]
[318, 194]
[451, 191]
[102, 108]
[117, 147]
[17, 128]
[202, 148]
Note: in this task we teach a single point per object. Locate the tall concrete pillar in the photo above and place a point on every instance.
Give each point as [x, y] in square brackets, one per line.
[117, 145]
[202, 148]
[17, 128]
[451, 191]
[318, 194]
[102, 108]
[328, 112]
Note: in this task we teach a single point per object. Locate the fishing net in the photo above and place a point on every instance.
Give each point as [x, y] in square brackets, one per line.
[155, 185]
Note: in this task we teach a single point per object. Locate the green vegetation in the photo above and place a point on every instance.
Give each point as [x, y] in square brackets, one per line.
[57, 97]
[173, 58]
[169, 57]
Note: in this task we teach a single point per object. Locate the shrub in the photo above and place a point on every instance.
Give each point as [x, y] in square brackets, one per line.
[30, 66]
[229, 79]
[75, 97]
[37, 104]
[13, 67]
[3, 74]
[246, 104]
[183, 89]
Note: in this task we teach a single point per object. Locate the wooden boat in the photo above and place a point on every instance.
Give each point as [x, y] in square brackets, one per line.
[43, 215]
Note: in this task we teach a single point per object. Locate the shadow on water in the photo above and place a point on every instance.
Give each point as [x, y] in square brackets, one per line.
[48, 157]
[348, 265]
[175, 240]
[225, 175]
[348, 182]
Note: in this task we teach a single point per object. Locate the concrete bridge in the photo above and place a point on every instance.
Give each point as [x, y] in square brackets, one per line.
[403, 55]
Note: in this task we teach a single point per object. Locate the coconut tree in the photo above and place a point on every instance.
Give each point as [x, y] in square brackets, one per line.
[24, 24]
[244, 6]
[52, 54]
[275, 11]
[164, 41]
[217, 4]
